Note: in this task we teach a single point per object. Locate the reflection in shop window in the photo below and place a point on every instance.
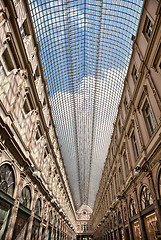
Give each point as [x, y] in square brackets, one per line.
[5, 210]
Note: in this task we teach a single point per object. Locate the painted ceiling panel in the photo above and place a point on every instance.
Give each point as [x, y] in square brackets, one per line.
[85, 51]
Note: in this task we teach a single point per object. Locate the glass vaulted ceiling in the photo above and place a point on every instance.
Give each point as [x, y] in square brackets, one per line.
[85, 51]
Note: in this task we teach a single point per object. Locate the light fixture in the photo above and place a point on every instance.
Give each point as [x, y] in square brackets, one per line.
[136, 173]
[35, 173]
[52, 200]
[60, 210]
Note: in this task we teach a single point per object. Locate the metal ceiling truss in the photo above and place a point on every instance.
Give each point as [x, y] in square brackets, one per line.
[85, 51]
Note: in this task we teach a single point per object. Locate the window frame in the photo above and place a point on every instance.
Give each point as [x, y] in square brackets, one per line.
[153, 123]
[134, 145]
[148, 27]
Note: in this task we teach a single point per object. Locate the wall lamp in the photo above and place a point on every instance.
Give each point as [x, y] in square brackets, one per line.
[144, 168]
[31, 169]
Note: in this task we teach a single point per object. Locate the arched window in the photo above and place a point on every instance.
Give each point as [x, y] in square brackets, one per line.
[7, 179]
[119, 218]
[132, 207]
[159, 184]
[26, 197]
[38, 207]
[146, 199]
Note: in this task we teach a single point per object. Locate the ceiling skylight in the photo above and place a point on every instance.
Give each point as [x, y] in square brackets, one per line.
[85, 51]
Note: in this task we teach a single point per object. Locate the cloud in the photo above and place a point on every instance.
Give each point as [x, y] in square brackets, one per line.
[85, 104]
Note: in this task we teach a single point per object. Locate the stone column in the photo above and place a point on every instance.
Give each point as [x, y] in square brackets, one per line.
[15, 207]
[141, 223]
[29, 230]
[123, 223]
[155, 202]
[47, 224]
[52, 234]
[129, 224]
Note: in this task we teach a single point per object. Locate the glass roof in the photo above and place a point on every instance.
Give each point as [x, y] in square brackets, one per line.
[85, 51]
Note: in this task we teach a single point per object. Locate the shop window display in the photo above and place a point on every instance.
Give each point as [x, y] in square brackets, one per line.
[136, 230]
[151, 225]
[20, 229]
[146, 199]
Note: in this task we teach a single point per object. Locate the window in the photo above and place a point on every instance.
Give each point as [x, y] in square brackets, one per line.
[27, 108]
[148, 27]
[38, 133]
[134, 145]
[6, 65]
[26, 197]
[134, 74]
[7, 180]
[146, 199]
[119, 126]
[38, 207]
[132, 207]
[37, 73]
[120, 176]
[119, 218]
[149, 118]
[159, 184]
[24, 29]
[125, 104]
[126, 164]
[115, 178]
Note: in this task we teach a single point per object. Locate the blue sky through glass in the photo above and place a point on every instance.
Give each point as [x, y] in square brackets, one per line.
[85, 51]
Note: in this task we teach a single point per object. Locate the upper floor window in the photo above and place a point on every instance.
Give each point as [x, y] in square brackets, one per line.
[37, 73]
[125, 104]
[134, 145]
[146, 199]
[126, 164]
[134, 74]
[148, 27]
[149, 118]
[115, 178]
[6, 64]
[120, 176]
[24, 29]
[119, 126]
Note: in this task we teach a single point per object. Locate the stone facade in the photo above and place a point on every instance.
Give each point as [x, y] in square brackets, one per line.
[128, 202]
[35, 197]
